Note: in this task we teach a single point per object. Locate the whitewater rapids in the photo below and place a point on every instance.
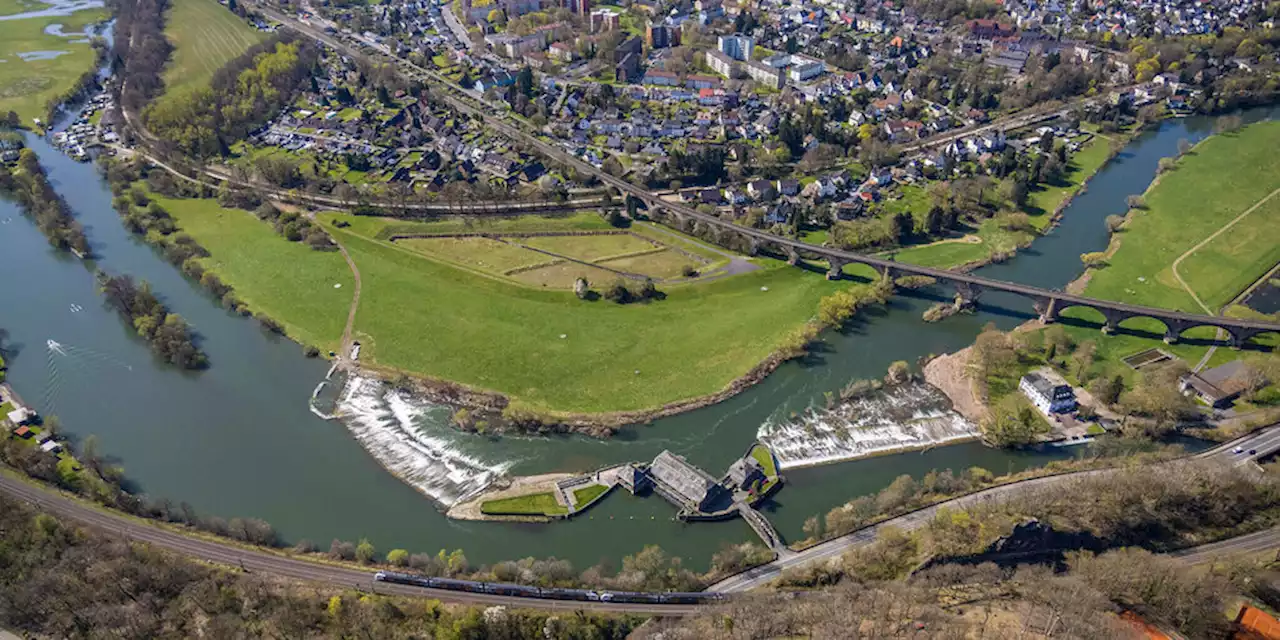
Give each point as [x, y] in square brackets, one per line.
[412, 440]
[907, 416]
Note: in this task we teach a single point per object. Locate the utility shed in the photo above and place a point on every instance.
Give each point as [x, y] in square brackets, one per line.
[684, 484]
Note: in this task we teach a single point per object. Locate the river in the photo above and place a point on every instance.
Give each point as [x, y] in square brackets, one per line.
[239, 440]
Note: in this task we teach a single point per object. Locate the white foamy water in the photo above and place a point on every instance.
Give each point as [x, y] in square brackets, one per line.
[908, 416]
[393, 428]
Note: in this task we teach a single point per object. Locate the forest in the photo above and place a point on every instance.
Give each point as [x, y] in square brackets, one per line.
[141, 50]
[243, 95]
[30, 186]
[64, 581]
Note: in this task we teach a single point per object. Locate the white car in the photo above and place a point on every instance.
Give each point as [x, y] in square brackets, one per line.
[1238, 450]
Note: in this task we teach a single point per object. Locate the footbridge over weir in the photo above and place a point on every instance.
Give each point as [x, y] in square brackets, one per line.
[1048, 303]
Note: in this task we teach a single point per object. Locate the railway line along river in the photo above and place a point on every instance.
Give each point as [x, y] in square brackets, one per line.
[239, 440]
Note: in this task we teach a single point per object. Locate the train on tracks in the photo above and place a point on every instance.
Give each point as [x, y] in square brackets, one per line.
[547, 593]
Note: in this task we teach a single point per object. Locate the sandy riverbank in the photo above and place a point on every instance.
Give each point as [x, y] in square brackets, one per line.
[947, 372]
[517, 486]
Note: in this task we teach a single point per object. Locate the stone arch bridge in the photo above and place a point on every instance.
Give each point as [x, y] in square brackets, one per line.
[1048, 303]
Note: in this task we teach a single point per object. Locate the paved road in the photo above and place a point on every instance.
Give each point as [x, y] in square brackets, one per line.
[1263, 443]
[1250, 543]
[284, 566]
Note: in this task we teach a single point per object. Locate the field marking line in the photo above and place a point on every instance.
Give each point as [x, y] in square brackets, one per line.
[1218, 335]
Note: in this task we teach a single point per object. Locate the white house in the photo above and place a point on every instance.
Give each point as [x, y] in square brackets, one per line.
[1048, 397]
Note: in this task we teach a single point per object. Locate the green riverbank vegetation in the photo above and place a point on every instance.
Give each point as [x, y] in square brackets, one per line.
[34, 82]
[1188, 504]
[29, 185]
[150, 204]
[168, 334]
[82, 570]
[906, 494]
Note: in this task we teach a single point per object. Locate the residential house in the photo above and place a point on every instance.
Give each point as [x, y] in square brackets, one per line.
[1047, 396]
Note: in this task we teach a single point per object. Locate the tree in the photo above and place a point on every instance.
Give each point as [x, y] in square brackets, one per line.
[1136, 202]
[1114, 223]
[398, 557]
[365, 552]
[1083, 357]
[1094, 259]
[1107, 390]
[524, 82]
[1013, 421]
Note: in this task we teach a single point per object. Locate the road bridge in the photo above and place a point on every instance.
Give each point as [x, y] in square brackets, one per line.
[1048, 303]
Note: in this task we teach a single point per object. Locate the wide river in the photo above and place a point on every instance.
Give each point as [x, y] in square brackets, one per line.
[239, 440]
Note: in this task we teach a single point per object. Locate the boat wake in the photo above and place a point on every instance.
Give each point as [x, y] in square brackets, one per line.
[412, 440]
[907, 416]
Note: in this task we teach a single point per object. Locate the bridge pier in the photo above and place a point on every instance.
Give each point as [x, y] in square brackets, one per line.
[967, 294]
[793, 256]
[1048, 309]
[1171, 335]
[837, 268]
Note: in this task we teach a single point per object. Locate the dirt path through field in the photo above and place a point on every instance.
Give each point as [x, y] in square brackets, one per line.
[1209, 354]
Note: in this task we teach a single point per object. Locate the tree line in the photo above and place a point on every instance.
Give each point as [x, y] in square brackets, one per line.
[141, 50]
[66, 581]
[168, 334]
[243, 95]
[1120, 511]
[30, 187]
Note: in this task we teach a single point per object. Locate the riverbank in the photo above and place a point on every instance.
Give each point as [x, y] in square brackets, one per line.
[44, 65]
[949, 373]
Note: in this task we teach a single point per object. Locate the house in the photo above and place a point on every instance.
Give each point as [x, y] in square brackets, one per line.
[22, 432]
[882, 177]
[761, 190]
[21, 415]
[1218, 386]
[789, 187]
[561, 51]
[1047, 396]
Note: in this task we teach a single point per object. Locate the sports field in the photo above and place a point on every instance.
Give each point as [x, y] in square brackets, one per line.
[26, 86]
[205, 35]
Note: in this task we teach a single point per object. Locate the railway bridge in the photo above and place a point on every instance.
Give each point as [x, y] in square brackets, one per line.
[1048, 303]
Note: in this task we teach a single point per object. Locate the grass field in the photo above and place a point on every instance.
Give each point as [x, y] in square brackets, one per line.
[205, 35]
[562, 275]
[536, 504]
[584, 496]
[590, 248]
[506, 337]
[286, 280]
[486, 254]
[27, 86]
[1221, 178]
[11, 7]
[425, 317]
[384, 228]
[661, 264]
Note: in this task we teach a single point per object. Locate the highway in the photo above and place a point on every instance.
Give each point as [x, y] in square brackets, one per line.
[1263, 443]
[496, 117]
[281, 566]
